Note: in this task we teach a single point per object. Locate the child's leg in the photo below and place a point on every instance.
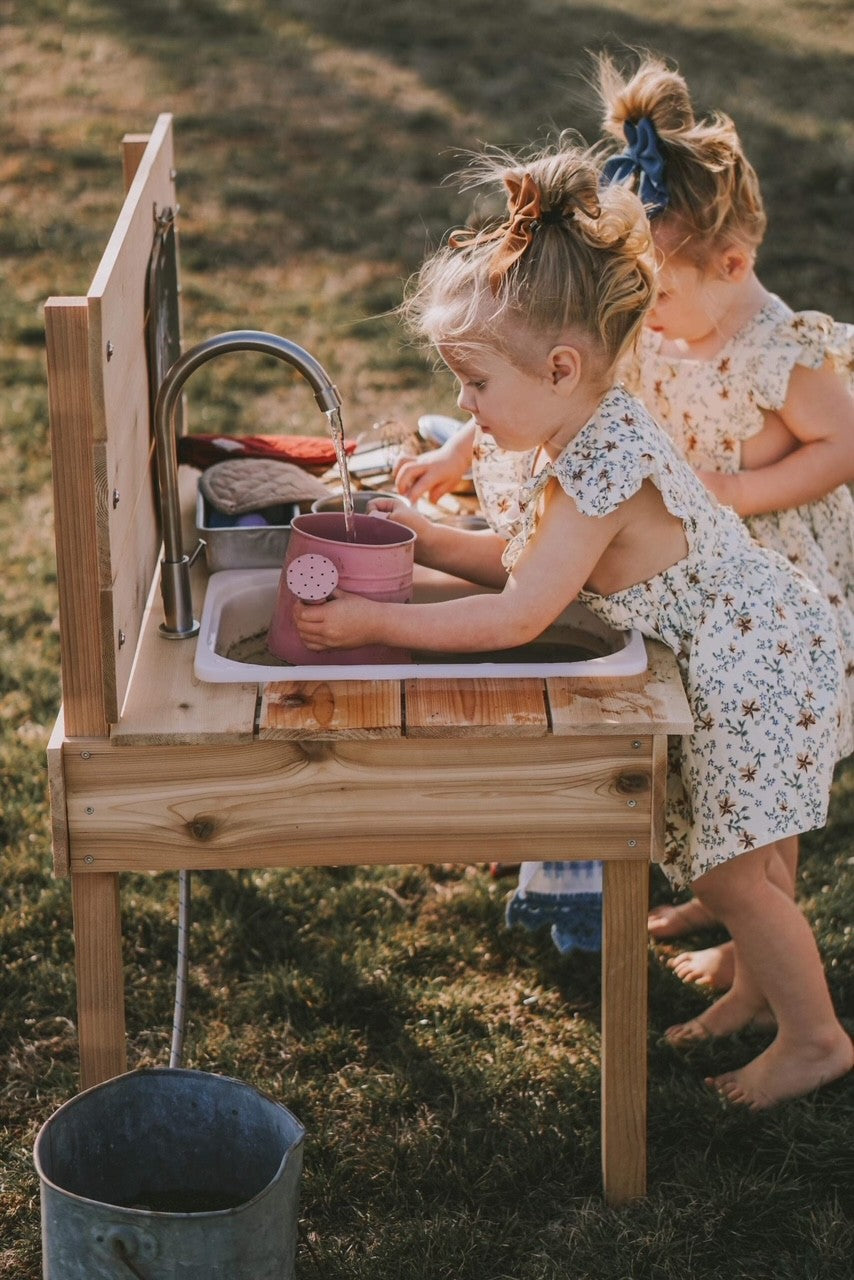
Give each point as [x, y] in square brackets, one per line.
[777, 962]
[674, 919]
[714, 967]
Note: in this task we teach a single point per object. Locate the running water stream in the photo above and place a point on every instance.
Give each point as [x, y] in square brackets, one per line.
[336, 431]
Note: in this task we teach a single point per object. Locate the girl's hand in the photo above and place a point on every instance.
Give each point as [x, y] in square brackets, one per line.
[345, 621]
[437, 472]
[395, 509]
[402, 513]
[431, 473]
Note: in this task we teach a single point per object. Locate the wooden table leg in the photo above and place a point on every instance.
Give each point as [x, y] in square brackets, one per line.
[100, 979]
[624, 1030]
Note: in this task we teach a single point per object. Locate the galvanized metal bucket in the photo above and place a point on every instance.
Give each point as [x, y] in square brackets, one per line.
[168, 1174]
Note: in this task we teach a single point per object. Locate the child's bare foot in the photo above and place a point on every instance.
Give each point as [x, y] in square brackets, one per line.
[723, 1018]
[780, 1073]
[714, 967]
[683, 917]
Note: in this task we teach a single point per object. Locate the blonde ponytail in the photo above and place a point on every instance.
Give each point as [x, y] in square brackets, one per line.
[713, 196]
[572, 258]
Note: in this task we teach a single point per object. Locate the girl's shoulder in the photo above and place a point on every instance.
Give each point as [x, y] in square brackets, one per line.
[783, 338]
[620, 447]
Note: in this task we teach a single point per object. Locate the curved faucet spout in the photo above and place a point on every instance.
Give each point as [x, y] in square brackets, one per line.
[175, 566]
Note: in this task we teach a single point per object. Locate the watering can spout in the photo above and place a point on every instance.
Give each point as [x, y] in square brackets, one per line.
[175, 567]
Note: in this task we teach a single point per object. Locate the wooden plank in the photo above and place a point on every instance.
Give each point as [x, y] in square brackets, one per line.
[165, 702]
[56, 789]
[100, 980]
[387, 800]
[126, 514]
[651, 702]
[67, 339]
[116, 284]
[624, 1022]
[340, 709]
[86, 708]
[133, 149]
[659, 797]
[475, 708]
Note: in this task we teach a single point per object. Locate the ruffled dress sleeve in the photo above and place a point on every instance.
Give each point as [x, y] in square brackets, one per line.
[809, 338]
[603, 466]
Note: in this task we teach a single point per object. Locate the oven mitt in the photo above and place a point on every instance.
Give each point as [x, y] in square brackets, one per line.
[313, 453]
[241, 485]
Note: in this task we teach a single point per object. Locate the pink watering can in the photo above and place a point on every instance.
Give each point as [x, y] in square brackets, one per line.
[320, 556]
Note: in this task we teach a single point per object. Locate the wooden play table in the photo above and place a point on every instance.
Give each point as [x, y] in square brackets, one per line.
[152, 770]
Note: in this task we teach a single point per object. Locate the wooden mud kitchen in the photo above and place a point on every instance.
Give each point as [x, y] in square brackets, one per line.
[153, 770]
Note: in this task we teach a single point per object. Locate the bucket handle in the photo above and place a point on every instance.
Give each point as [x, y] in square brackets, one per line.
[122, 1243]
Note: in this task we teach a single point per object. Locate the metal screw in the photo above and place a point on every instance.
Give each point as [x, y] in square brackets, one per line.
[88, 859]
[110, 350]
[117, 497]
[122, 638]
[85, 755]
[89, 809]
[632, 844]
[636, 743]
[632, 804]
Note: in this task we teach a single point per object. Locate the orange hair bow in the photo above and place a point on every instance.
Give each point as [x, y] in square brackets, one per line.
[524, 205]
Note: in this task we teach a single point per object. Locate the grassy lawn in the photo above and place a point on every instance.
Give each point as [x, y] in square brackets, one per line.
[446, 1068]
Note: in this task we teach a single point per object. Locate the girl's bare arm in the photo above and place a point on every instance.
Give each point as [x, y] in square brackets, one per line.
[548, 575]
[819, 415]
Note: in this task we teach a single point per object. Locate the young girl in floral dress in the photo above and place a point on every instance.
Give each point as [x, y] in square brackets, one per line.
[756, 396]
[532, 318]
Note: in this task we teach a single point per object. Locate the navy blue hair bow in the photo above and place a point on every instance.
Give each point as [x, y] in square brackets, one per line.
[642, 157]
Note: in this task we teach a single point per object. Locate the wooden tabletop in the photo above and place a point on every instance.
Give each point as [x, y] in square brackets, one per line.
[167, 704]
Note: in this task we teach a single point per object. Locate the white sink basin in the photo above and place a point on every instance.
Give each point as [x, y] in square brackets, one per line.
[239, 605]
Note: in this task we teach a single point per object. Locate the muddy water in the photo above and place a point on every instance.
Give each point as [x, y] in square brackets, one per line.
[254, 649]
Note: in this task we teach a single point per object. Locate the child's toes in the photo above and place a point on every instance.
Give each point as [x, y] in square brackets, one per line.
[729, 1088]
[684, 1034]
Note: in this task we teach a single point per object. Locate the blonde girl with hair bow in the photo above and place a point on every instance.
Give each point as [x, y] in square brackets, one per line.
[757, 397]
[533, 317]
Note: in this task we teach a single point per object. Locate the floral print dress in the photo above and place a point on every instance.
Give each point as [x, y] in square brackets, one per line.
[755, 642]
[710, 407]
[498, 476]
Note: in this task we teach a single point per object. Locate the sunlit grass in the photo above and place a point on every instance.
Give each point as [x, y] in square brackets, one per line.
[445, 1067]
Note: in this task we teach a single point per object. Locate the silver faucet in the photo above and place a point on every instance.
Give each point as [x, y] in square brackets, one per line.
[175, 566]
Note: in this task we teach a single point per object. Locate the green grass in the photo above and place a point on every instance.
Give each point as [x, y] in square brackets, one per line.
[445, 1067]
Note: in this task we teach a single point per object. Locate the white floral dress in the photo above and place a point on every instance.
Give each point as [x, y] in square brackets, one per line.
[755, 642]
[498, 476]
[710, 407]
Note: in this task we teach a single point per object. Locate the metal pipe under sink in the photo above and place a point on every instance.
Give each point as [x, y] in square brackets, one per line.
[179, 622]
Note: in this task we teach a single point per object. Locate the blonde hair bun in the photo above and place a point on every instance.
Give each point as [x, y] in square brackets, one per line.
[713, 192]
[579, 262]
